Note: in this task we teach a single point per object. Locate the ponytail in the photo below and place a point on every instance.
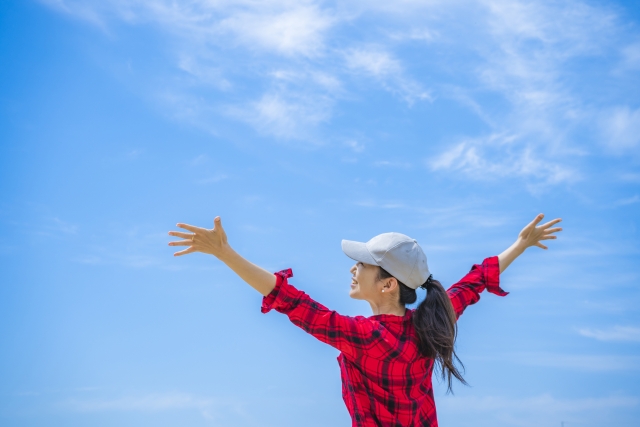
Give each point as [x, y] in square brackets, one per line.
[435, 323]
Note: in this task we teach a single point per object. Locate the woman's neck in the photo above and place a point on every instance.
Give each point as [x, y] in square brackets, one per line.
[385, 307]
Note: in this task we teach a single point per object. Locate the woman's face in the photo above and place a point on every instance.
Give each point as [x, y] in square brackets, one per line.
[365, 284]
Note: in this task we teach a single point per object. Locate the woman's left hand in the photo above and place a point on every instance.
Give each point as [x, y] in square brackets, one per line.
[532, 234]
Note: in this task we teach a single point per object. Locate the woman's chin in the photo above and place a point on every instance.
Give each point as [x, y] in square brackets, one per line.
[353, 293]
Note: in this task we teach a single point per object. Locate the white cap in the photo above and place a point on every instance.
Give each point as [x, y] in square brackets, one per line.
[398, 254]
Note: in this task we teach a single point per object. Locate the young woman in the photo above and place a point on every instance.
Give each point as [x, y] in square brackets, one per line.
[386, 360]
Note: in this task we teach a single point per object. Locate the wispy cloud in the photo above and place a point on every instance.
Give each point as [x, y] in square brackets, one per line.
[628, 201]
[383, 205]
[288, 28]
[52, 226]
[152, 402]
[208, 407]
[537, 410]
[621, 129]
[213, 179]
[630, 58]
[63, 226]
[544, 402]
[617, 333]
[527, 49]
[78, 9]
[392, 164]
[581, 362]
[415, 34]
[284, 115]
[204, 74]
[500, 155]
[302, 61]
[355, 145]
[374, 61]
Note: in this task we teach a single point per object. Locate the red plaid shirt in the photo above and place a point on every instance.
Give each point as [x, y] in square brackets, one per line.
[385, 380]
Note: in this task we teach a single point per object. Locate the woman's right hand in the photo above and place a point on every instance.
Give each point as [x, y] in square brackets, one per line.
[203, 240]
[214, 242]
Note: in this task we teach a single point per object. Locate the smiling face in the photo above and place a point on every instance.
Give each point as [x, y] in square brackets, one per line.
[365, 284]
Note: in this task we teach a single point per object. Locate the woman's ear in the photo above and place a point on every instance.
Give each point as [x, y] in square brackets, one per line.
[390, 284]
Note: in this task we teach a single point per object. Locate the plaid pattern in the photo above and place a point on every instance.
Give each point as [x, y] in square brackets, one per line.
[385, 380]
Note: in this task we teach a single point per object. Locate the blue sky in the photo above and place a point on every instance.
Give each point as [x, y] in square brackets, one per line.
[302, 123]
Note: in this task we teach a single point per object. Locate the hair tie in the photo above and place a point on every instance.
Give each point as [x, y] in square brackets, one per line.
[426, 285]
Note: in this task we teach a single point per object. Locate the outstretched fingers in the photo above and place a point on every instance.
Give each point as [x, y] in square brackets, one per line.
[547, 232]
[548, 237]
[205, 240]
[550, 223]
[217, 225]
[552, 230]
[180, 234]
[185, 251]
[182, 243]
[533, 223]
[188, 239]
[191, 228]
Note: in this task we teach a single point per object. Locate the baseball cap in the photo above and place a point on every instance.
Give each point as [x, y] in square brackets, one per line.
[397, 253]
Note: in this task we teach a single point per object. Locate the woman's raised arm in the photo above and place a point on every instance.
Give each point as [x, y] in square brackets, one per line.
[531, 235]
[214, 242]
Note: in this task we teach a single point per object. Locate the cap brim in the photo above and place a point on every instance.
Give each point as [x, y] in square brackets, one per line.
[358, 251]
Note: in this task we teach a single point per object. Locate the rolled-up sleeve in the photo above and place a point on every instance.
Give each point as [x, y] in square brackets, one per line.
[351, 335]
[279, 297]
[482, 276]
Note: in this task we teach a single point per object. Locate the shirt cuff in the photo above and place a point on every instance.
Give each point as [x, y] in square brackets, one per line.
[270, 301]
[492, 276]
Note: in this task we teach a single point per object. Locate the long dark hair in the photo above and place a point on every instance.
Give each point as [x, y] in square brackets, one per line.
[435, 324]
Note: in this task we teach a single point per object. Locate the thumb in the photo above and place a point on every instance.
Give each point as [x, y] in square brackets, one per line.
[217, 223]
[535, 222]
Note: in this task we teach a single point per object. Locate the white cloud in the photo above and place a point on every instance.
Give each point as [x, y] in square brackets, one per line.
[384, 67]
[152, 402]
[630, 177]
[78, 9]
[63, 226]
[89, 259]
[392, 164]
[304, 64]
[356, 146]
[631, 57]
[628, 201]
[296, 30]
[373, 61]
[213, 179]
[381, 205]
[581, 362]
[287, 117]
[203, 74]
[500, 155]
[545, 402]
[207, 34]
[472, 214]
[526, 50]
[617, 333]
[620, 128]
[420, 34]
[208, 407]
[537, 410]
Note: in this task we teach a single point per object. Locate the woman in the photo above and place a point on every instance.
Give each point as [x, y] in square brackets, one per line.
[386, 360]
